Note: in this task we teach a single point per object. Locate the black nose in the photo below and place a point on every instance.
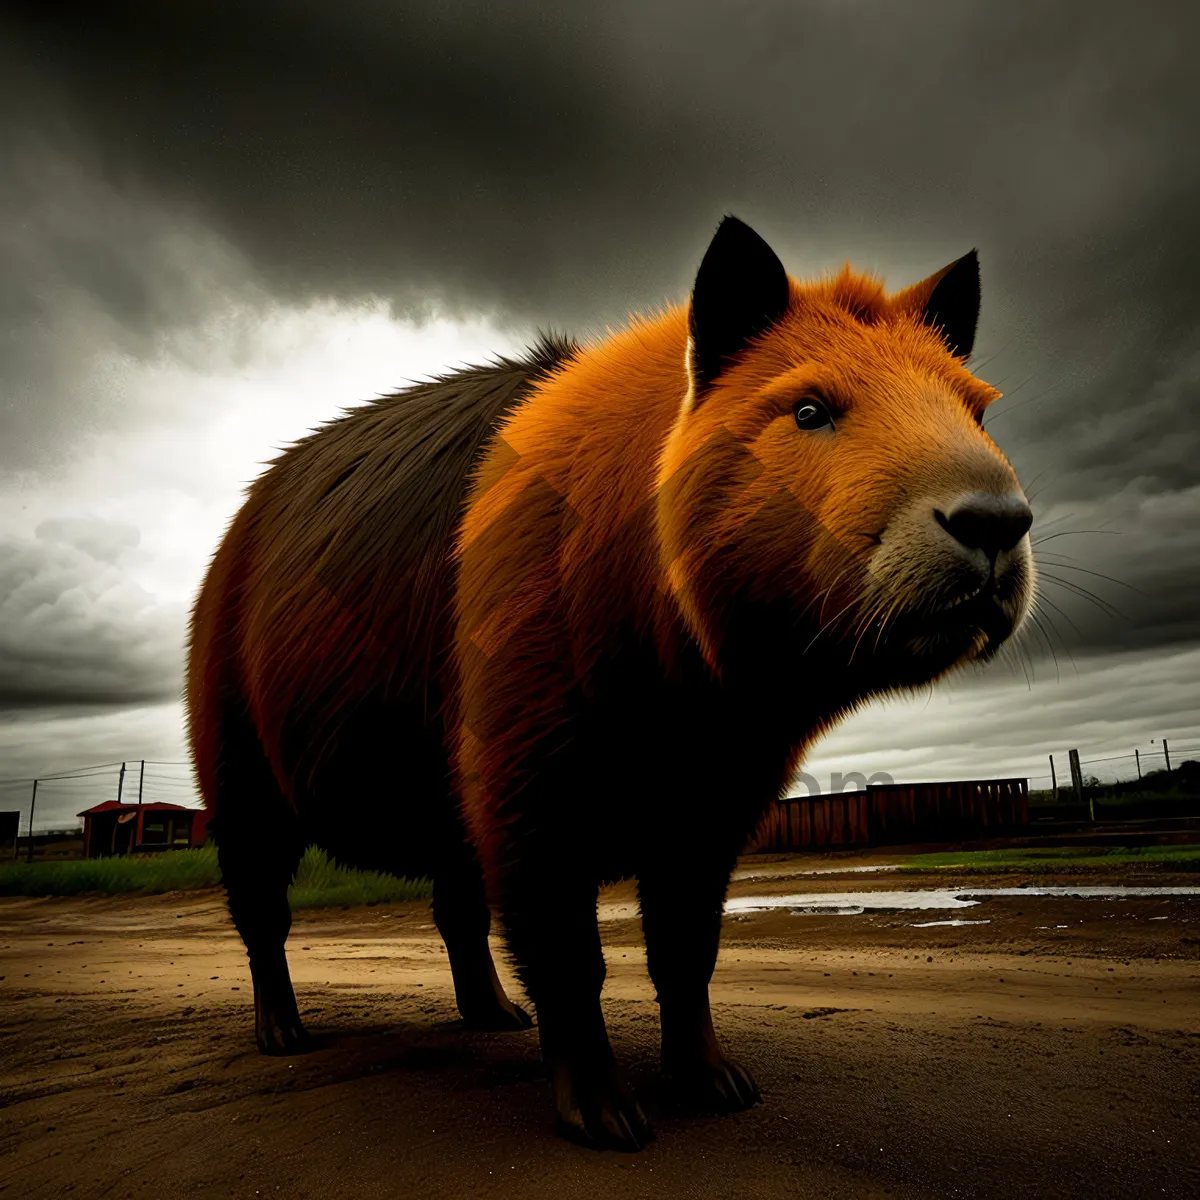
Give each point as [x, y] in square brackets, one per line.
[988, 523]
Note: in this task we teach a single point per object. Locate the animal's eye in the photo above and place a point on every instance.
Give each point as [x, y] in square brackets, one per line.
[812, 414]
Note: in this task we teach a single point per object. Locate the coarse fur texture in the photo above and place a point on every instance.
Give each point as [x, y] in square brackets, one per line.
[316, 678]
[595, 607]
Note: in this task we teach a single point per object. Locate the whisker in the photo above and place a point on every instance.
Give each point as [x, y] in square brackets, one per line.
[1042, 615]
[1065, 616]
[886, 620]
[1073, 533]
[1025, 669]
[1037, 399]
[837, 581]
[1066, 566]
[1034, 481]
[1079, 590]
[825, 628]
[865, 625]
[1037, 625]
[978, 366]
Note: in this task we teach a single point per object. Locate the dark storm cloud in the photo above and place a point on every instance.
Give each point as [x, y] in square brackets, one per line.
[561, 166]
[561, 163]
[75, 628]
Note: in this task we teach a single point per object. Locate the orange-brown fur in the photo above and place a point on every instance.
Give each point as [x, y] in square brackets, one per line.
[552, 623]
[562, 498]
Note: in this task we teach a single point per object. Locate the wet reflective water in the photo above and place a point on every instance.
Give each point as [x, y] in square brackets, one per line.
[952, 921]
[853, 903]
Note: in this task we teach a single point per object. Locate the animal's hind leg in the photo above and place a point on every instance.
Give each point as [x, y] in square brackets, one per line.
[258, 848]
[460, 911]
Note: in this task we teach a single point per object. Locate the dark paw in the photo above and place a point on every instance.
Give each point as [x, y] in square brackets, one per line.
[280, 1033]
[718, 1086]
[595, 1109]
[498, 1018]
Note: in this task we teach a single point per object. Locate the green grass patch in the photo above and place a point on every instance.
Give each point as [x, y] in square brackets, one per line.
[169, 871]
[1061, 858]
[320, 882]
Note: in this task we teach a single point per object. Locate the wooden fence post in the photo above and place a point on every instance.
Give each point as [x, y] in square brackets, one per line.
[1077, 783]
[32, 806]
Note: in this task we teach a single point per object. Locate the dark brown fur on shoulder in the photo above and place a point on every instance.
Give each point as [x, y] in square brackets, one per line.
[336, 569]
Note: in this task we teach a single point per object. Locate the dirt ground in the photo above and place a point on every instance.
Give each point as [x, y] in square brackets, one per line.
[1052, 1052]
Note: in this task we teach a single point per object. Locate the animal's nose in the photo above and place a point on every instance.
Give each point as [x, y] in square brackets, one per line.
[987, 522]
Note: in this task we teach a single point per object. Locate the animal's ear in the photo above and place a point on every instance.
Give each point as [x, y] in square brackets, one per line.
[741, 290]
[949, 301]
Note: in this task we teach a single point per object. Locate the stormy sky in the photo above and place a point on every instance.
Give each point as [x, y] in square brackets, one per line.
[222, 223]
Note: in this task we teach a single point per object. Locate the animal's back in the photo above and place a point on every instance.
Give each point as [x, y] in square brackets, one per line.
[319, 638]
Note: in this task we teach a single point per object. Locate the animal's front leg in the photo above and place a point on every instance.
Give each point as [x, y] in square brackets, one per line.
[550, 923]
[681, 920]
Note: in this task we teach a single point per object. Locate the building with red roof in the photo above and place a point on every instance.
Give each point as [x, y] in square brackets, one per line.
[115, 828]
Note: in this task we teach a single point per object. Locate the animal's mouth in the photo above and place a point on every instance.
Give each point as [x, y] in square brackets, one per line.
[967, 598]
[987, 612]
[975, 623]
[947, 592]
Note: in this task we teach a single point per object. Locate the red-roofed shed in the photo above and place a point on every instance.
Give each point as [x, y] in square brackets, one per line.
[112, 828]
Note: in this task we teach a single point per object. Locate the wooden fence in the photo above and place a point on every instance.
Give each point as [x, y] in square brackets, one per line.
[894, 813]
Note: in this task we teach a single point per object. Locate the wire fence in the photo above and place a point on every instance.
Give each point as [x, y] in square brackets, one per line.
[1117, 768]
[53, 801]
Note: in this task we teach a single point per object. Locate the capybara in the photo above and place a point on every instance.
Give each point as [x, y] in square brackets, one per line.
[536, 626]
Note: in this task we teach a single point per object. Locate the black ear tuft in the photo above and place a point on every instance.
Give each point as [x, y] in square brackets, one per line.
[741, 290]
[953, 305]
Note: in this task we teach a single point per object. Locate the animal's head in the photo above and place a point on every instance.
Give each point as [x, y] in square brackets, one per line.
[828, 481]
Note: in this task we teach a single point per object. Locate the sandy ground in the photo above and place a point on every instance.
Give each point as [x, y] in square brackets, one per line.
[1052, 1052]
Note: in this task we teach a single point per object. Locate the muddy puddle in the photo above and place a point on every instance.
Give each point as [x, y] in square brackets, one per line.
[956, 921]
[855, 903]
